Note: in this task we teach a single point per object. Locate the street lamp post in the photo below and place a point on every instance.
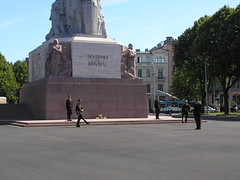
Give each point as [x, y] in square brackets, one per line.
[206, 92]
[153, 81]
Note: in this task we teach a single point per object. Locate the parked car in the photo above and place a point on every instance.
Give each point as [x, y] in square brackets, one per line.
[210, 109]
[233, 109]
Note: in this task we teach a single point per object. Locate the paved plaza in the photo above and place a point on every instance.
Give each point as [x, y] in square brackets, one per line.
[115, 152]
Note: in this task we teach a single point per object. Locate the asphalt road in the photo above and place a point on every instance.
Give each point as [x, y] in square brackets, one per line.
[127, 152]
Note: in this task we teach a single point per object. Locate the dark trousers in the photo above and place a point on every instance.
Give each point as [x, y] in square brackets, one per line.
[197, 117]
[80, 116]
[185, 114]
[157, 111]
[69, 113]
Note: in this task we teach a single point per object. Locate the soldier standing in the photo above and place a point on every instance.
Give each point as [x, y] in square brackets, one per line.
[197, 114]
[157, 107]
[69, 106]
[79, 110]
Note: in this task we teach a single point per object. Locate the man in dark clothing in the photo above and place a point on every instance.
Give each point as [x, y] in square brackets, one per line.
[185, 110]
[157, 107]
[197, 114]
[79, 110]
[69, 106]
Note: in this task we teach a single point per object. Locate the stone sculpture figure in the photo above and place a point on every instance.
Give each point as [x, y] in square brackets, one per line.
[73, 17]
[56, 58]
[58, 18]
[101, 23]
[128, 63]
[58, 63]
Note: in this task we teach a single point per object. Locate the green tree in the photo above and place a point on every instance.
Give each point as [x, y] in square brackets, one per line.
[189, 65]
[184, 86]
[213, 42]
[8, 84]
[20, 69]
[217, 40]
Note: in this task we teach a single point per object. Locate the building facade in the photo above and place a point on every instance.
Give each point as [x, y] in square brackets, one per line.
[216, 96]
[155, 67]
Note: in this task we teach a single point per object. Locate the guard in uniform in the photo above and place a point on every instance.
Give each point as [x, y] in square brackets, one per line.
[157, 107]
[197, 114]
[69, 106]
[185, 110]
[79, 110]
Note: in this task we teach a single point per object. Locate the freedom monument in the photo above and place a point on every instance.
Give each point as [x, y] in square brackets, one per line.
[78, 58]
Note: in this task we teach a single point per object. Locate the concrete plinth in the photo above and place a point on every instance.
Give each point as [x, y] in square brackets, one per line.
[114, 98]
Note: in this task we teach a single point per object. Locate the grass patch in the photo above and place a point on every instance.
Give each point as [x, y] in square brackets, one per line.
[223, 114]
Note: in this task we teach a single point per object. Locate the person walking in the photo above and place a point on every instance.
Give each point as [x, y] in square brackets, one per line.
[170, 109]
[69, 106]
[157, 106]
[185, 110]
[197, 114]
[79, 110]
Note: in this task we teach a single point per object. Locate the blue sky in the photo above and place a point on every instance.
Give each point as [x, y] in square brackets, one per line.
[144, 23]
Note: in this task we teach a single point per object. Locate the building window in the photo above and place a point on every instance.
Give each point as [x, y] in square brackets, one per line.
[148, 88]
[148, 73]
[139, 59]
[148, 59]
[160, 87]
[139, 72]
[160, 73]
[160, 59]
[163, 60]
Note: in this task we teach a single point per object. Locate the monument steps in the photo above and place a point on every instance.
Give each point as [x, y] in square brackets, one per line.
[15, 112]
[93, 122]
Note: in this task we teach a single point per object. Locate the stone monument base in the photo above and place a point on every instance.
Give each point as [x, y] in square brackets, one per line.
[113, 98]
[82, 57]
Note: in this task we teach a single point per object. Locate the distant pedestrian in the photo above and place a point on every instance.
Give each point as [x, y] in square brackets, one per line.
[157, 105]
[69, 106]
[170, 109]
[79, 110]
[197, 114]
[185, 110]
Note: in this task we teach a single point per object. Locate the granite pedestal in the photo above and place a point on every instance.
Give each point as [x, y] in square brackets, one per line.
[114, 98]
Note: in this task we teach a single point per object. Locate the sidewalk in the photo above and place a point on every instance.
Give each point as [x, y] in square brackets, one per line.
[164, 119]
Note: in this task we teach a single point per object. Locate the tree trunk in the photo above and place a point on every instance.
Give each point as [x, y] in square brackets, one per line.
[226, 102]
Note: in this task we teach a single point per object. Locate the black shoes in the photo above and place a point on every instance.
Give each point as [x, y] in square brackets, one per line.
[78, 125]
[184, 122]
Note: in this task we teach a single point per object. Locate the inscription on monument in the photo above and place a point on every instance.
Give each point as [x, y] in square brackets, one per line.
[97, 60]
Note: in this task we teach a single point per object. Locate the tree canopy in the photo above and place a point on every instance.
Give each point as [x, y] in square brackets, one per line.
[20, 69]
[213, 42]
[8, 84]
